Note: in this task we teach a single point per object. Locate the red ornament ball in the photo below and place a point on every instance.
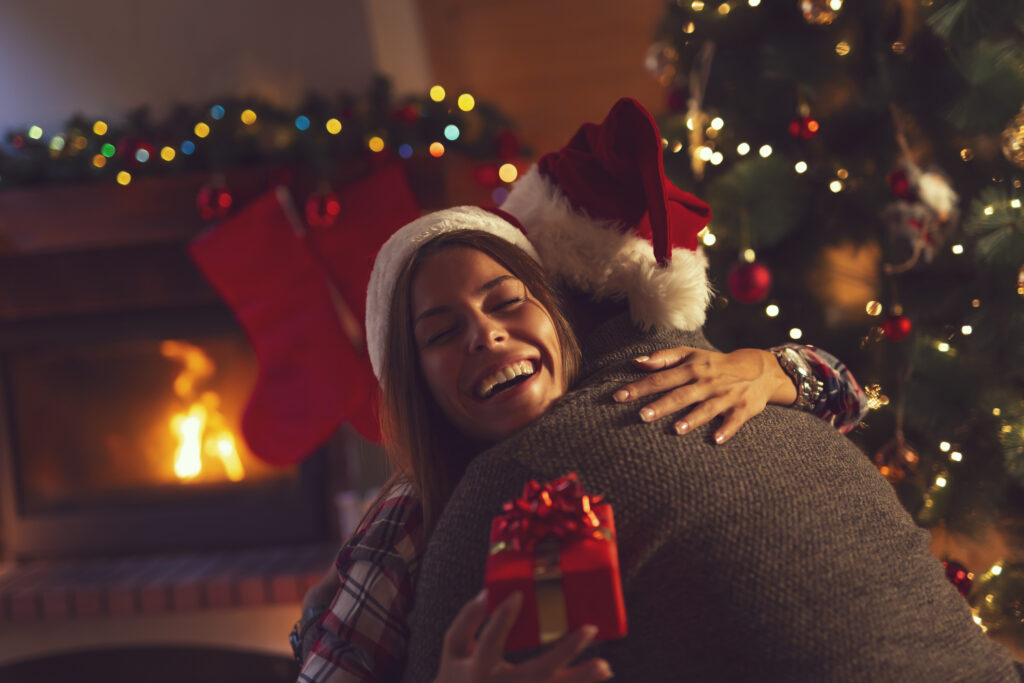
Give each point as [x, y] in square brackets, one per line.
[900, 184]
[322, 209]
[896, 327]
[958, 576]
[750, 282]
[804, 128]
[213, 202]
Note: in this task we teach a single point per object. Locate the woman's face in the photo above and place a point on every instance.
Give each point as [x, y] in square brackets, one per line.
[488, 350]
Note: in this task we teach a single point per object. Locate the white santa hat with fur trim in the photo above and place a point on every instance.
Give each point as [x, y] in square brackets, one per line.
[400, 247]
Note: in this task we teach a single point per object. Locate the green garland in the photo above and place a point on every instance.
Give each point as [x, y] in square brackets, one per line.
[231, 132]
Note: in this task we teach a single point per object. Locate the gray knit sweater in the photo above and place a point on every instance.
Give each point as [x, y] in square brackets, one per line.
[781, 555]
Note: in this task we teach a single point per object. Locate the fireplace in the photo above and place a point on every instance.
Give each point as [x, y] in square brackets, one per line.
[123, 378]
[132, 513]
[120, 435]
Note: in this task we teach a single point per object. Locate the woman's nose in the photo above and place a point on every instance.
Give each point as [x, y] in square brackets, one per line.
[485, 333]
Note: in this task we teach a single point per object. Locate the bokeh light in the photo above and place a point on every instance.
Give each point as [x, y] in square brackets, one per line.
[508, 173]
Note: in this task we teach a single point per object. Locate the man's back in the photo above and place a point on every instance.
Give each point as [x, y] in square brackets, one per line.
[781, 555]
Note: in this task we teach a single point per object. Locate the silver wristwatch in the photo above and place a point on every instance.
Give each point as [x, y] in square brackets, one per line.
[808, 387]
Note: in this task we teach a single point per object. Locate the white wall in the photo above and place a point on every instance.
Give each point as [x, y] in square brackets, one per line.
[105, 57]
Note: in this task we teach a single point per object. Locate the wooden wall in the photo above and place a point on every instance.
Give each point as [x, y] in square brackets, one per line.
[549, 64]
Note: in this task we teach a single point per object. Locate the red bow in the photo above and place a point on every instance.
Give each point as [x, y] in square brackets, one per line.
[558, 510]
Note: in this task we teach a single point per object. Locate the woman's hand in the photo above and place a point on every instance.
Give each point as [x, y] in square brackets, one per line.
[735, 385]
[467, 659]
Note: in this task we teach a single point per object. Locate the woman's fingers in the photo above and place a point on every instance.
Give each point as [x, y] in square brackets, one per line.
[459, 638]
[664, 358]
[735, 418]
[590, 671]
[676, 400]
[491, 644]
[703, 413]
[735, 385]
[657, 383]
[549, 666]
[561, 654]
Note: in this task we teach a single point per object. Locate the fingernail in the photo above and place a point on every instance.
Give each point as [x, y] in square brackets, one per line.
[621, 395]
[682, 427]
[481, 596]
[604, 668]
[589, 631]
[641, 359]
[719, 438]
[647, 414]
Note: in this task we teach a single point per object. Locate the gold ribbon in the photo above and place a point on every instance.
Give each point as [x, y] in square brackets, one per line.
[552, 622]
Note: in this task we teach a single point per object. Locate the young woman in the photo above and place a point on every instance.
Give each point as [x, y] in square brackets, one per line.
[475, 348]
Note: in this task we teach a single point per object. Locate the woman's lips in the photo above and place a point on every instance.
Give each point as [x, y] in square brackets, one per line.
[502, 374]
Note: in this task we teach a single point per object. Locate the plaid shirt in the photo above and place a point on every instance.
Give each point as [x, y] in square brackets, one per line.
[363, 636]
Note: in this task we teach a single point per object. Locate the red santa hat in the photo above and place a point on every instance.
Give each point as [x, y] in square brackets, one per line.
[604, 218]
[599, 213]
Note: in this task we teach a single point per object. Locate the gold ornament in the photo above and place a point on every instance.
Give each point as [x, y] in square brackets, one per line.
[1020, 281]
[876, 399]
[1013, 139]
[896, 459]
[819, 11]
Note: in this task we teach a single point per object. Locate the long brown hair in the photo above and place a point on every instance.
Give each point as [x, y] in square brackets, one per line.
[422, 442]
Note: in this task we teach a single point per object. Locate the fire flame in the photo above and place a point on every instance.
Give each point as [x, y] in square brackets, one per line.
[202, 429]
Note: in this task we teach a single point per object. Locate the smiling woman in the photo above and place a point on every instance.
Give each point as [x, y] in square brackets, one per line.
[471, 314]
[488, 349]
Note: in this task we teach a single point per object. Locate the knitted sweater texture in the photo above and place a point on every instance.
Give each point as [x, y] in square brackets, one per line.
[780, 555]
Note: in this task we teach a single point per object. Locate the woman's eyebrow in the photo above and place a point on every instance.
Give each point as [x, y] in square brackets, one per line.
[495, 282]
[437, 310]
[487, 286]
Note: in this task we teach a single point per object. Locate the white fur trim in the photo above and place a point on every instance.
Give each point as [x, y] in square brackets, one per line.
[598, 257]
[401, 246]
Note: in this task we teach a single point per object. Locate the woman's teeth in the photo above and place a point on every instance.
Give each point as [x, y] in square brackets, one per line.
[503, 376]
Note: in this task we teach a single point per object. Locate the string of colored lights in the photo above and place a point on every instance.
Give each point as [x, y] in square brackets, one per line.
[228, 133]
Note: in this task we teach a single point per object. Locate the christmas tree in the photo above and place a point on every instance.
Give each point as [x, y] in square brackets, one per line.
[864, 163]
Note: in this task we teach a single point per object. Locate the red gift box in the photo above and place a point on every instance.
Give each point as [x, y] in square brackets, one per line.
[557, 546]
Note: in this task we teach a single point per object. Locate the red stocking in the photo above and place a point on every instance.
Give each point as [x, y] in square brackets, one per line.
[311, 375]
[371, 211]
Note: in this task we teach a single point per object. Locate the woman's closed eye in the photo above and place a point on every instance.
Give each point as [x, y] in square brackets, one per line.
[439, 337]
[508, 303]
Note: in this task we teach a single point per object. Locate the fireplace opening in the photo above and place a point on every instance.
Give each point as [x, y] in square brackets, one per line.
[132, 420]
[121, 434]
